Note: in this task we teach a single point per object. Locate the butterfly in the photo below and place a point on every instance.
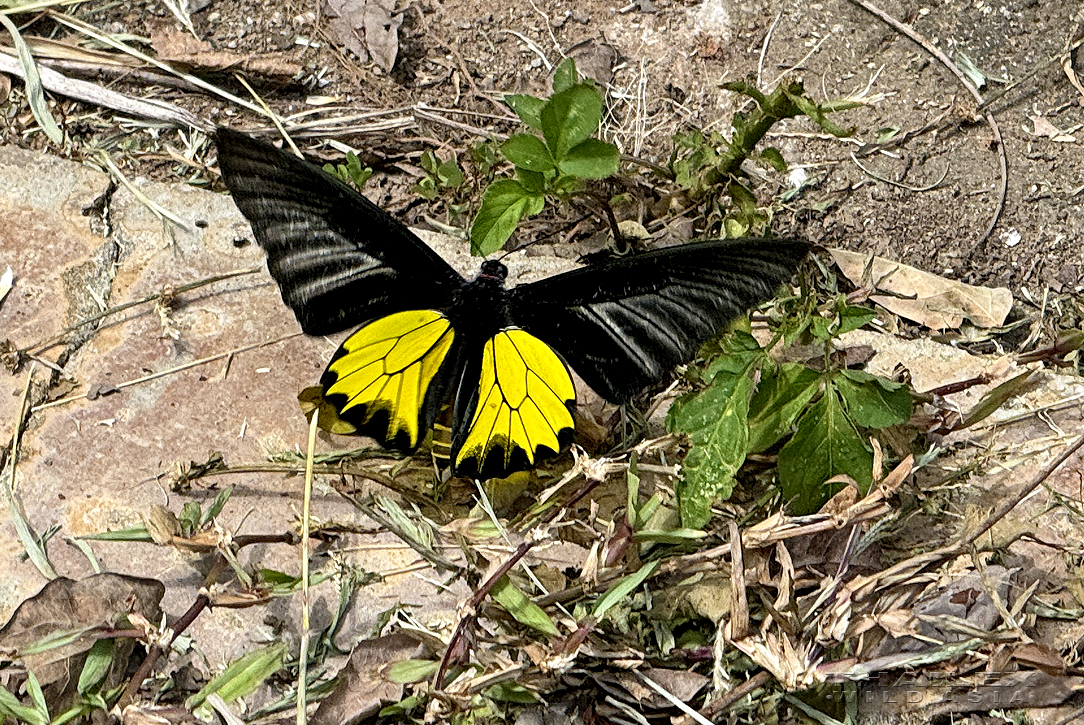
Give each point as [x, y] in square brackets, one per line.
[500, 357]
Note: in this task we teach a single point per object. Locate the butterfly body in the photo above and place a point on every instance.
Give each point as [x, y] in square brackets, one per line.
[499, 356]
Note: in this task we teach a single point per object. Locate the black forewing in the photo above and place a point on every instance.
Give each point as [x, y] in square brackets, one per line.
[625, 324]
[339, 259]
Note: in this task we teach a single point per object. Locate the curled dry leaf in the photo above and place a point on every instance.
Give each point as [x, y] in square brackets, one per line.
[367, 28]
[102, 601]
[925, 298]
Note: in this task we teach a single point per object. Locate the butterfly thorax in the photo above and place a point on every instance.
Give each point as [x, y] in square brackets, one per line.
[480, 307]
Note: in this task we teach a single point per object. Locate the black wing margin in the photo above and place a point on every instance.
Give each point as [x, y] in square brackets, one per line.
[339, 259]
[625, 324]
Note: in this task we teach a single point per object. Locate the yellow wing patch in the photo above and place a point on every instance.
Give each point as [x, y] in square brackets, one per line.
[522, 410]
[383, 372]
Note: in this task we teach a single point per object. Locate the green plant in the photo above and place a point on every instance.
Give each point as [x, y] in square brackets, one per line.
[552, 161]
[825, 417]
[351, 172]
[440, 175]
[708, 167]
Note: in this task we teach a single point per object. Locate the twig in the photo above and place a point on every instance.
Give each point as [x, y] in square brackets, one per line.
[933, 50]
[886, 180]
[170, 371]
[92, 93]
[1011, 503]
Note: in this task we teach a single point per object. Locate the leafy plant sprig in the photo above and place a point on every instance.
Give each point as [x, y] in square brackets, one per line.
[552, 161]
[823, 417]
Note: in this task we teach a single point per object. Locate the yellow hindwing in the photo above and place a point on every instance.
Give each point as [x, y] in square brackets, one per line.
[387, 367]
[524, 393]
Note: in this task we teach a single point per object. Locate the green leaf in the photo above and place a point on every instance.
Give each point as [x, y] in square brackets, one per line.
[625, 586]
[407, 671]
[773, 158]
[450, 174]
[779, 400]
[243, 676]
[528, 151]
[570, 117]
[716, 421]
[96, 665]
[998, 396]
[528, 108]
[738, 351]
[35, 96]
[817, 115]
[565, 75]
[735, 229]
[11, 708]
[532, 181]
[852, 317]
[743, 198]
[873, 402]
[826, 444]
[522, 609]
[503, 205]
[591, 159]
[216, 506]
[513, 693]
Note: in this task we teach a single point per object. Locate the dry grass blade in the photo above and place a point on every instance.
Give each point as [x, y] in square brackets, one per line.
[303, 657]
[31, 543]
[35, 96]
[91, 31]
[58, 83]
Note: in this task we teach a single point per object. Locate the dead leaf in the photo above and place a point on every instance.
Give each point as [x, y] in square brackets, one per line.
[66, 605]
[362, 686]
[1045, 129]
[174, 45]
[925, 298]
[367, 28]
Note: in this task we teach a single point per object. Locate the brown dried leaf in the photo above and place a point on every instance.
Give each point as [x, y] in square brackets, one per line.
[67, 605]
[936, 302]
[174, 45]
[367, 28]
[363, 687]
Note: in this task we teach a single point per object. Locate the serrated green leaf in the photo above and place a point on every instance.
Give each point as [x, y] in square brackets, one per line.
[738, 352]
[96, 665]
[243, 676]
[528, 151]
[826, 444]
[717, 422]
[569, 118]
[408, 671]
[565, 75]
[624, 587]
[591, 159]
[873, 402]
[522, 609]
[532, 180]
[503, 205]
[780, 398]
[528, 108]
